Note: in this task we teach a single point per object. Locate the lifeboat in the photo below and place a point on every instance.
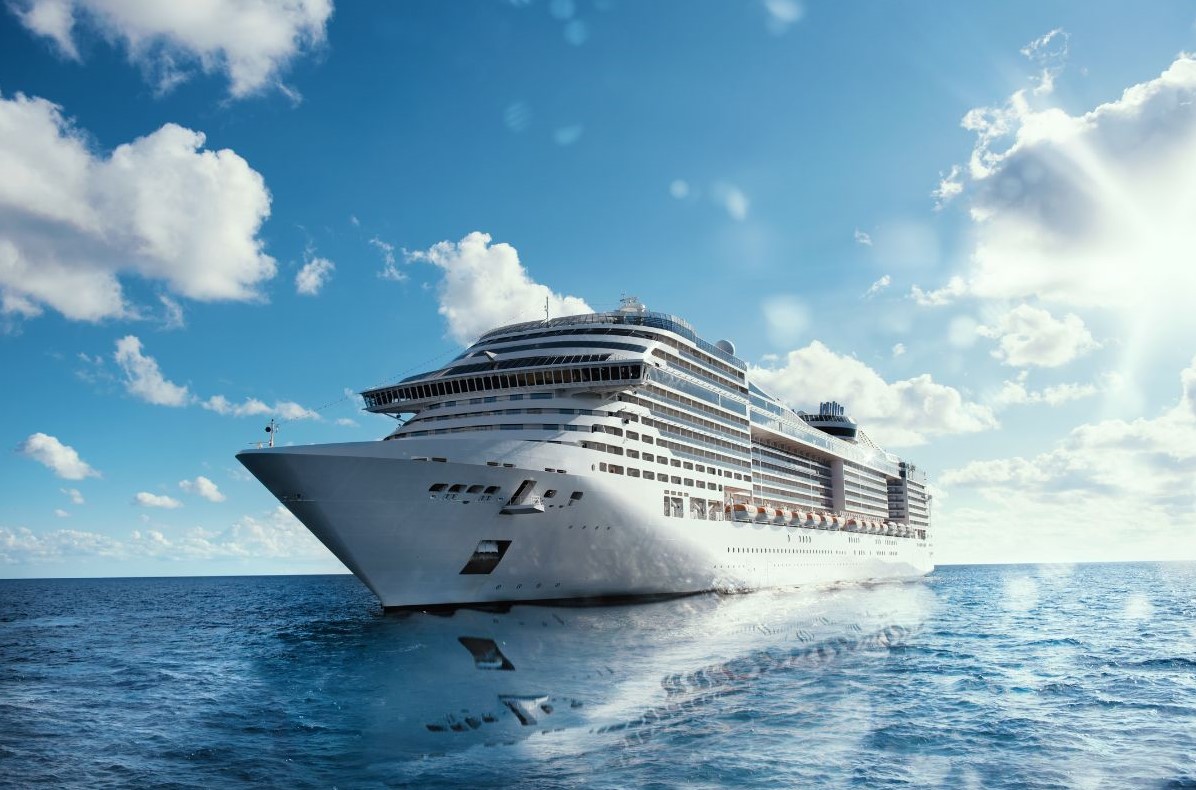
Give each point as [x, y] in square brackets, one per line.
[741, 512]
[779, 517]
[796, 518]
[812, 520]
[763, 515]
[836, 522]
[852, 525]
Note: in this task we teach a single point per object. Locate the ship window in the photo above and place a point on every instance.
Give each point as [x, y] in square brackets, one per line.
[437, 487]
[649, 457]
[689, 482]
[632, 472]
[649, 475]
[541, 395]
[647, 439]
[668, 509]
[602, 466]
[615, 470]
[701, 484]
[515, 397]
[675, 480]
[633, 454]
[576, 495]
[474, 489]
[624, 372]
[688, 465]
[675, 462]
[456, 488]
[550, 493]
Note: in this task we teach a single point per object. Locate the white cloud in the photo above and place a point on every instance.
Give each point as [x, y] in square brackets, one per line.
[878, 286]
[390, 271]
[1050, 53]
[954, 288]
[250, 41]
[314, 274]
[345, 422]
[287, 410]
[203, 487]
[143, 378]
[732, 199]
[21, 546]
[787, 318]
[274, 535]
[485, 286]
[1030, 336]
[74, 495]
[862, 238]
[898, 413]
[172, 313]
[679, 189]
[950, 186]
[898, 349]
[1092, 209]
[1110, 489]
[72, 223]
[782, 15]
[61, 513]
[1016, 392]
[60, 458]
[146, 499]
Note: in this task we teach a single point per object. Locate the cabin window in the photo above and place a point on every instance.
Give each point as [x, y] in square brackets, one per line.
[474, 489]
[437, 487]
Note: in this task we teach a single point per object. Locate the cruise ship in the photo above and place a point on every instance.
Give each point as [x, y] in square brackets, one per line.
[604, 455]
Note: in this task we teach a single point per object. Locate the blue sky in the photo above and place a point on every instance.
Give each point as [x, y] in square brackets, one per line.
[975, 226]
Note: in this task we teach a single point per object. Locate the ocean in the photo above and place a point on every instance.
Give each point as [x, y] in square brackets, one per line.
[977, 676]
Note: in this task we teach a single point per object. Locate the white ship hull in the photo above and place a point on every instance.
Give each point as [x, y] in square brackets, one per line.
[370, 503]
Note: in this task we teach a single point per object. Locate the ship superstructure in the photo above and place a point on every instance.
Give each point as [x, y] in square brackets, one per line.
[606, 454]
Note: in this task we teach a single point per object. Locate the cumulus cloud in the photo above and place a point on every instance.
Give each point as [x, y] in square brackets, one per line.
[485, 286]
[250, 41]
[312, 277]
[1030, 336]
[60, 458]
[144, 379]
[161, 207]
[955, 288]
[1093, 209]
[862, 238]
[202, 486]
[250, 407]
[22, 546]
[273, 535]
[60, 513]
[1016, 392]
[901, 413]
[898, 349]
[146, 499]
[74, 495]
[1148, 462]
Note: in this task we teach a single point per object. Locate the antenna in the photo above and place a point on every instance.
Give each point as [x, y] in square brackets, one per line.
[272, 429]
[545, 309]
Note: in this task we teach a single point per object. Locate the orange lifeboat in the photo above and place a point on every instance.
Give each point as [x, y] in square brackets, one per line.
[852, 525]
[812, 520]
[779, 516]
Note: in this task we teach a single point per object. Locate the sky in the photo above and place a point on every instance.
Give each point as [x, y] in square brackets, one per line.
[974, 225]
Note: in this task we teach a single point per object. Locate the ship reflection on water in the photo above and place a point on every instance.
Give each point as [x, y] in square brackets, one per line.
[450, 681]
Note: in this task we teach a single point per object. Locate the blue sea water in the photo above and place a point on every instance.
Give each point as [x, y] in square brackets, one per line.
[981, 676]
